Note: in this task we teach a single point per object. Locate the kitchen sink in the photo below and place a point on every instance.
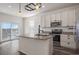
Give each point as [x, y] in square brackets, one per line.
[42, 34]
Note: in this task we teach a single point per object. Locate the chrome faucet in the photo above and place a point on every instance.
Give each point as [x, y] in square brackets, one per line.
[38, 29]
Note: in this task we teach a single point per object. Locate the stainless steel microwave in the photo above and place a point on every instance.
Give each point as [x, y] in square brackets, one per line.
[55, 24]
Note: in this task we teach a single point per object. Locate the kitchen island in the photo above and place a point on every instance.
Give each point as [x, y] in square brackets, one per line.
[36, 44]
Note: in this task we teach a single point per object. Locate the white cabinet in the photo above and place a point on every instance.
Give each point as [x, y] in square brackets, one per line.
[71, 17]
[31, 46]
[38, 20]
[47, 21]
[68, 41]
[53, 17]
[68, 17]
[43, 22]
[64, 18]
[58, 16]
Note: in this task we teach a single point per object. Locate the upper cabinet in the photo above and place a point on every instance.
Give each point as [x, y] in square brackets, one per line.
[43, 21]
[64, 18]
[58, 16]
[71, 17]
[68, 17]
[52, 17]
[47, 21]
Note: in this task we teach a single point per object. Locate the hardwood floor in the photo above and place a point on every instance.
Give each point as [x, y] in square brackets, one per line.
[10, 48]
[58, 50]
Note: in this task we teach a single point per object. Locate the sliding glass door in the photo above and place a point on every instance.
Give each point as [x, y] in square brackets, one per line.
[14, 31]
[8, 31]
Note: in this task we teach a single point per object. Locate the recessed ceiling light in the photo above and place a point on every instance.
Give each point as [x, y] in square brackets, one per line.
[9, 6]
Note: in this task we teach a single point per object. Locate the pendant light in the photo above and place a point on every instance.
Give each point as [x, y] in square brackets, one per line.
[37, 7]
[32, 6]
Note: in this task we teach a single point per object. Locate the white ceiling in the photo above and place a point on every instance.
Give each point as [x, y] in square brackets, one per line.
[13, 8]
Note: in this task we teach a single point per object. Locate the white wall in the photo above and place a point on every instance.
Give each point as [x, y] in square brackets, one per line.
[12, 19]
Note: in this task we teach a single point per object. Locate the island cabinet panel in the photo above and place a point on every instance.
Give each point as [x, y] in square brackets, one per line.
[35, 46]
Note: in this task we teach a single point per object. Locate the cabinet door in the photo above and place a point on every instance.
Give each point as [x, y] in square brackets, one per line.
[64, 41]
[71, 17]
[63, 38]
[71, 39]
[38, 20]
[53, 17]
[65, 44]
[68, 17]
[68, 41]
[58, 16]
[64, 18]
[43, 21]
[47, 21]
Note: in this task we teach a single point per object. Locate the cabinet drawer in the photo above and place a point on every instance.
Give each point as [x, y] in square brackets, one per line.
[68, 38]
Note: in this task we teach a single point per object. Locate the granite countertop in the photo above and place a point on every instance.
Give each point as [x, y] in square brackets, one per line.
[68, 33]
[38, 37]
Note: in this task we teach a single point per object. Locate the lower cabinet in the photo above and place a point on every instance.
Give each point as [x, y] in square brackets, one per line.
[35, 46]
[68, 41]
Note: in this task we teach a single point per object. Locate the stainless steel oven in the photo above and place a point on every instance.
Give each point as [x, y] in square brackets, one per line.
[56, 31]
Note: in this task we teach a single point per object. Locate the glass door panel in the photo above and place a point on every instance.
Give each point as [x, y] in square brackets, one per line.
[8, 31]
[14, 31]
